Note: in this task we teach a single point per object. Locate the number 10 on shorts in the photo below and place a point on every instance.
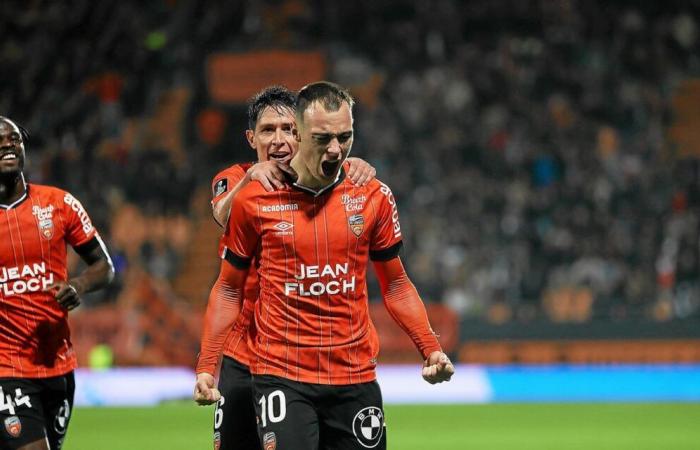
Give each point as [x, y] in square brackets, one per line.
[273, 408]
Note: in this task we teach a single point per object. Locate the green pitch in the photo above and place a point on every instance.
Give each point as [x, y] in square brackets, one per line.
[181, 426]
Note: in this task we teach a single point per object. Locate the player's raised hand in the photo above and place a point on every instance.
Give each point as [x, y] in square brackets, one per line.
[438, 368]
[65, 294]
[360, 171]
[204, 391]
[271, 174]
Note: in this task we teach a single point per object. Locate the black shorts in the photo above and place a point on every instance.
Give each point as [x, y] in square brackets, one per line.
[303, 416]
[235, 426]
[34, 408]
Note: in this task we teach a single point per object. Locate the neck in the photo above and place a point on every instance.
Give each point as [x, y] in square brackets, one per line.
[304, 176]
[12, 187]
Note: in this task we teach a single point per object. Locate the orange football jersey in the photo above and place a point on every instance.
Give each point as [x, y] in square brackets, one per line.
[311, 251]
[34, 335]
[236, 345]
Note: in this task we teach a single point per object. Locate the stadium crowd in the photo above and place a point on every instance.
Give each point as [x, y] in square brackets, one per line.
[526, 141]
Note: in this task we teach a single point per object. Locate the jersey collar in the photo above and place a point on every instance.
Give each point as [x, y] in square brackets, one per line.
[19, 200]
[339, 179]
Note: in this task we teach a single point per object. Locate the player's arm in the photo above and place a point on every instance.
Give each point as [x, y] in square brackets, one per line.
[98, 274]
[271, 174]
[226, 297]
[223, 307]
[360, 171]
[406, 307]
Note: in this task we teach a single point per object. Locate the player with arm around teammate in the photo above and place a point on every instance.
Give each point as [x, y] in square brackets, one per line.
[36, 356]
[315, 348]
[270, 133]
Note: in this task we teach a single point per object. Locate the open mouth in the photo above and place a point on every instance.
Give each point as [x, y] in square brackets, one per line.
[282, 157]
[329, 167]
[9, 156]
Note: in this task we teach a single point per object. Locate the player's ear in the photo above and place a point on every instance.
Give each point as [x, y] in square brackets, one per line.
[250, 136]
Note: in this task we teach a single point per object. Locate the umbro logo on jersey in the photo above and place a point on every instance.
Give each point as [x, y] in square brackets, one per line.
[283, 228]
[368, 426]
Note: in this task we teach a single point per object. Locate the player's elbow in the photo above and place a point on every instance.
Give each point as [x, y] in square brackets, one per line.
[398, 283]
[219, 216]
[107, 269]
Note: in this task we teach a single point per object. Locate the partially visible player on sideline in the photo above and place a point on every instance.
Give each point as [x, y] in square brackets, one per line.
[271, 134]
[36, 354]
[315, 349]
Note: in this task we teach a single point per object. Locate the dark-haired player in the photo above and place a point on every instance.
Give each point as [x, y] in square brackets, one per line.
[36, 354]
[315, 349]
[270, 133]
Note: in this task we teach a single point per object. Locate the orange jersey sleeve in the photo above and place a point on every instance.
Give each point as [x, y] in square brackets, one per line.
[224, 181]
[386, 235]
[242, 234]
[223, 308]
[405, 305]
[79, 229]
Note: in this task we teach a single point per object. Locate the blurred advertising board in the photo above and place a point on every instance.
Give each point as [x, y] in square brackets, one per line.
[235, 77]
[403, 384]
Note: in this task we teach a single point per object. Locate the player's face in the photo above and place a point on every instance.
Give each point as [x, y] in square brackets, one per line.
[274, 135]
[11, 148]
[325, 140]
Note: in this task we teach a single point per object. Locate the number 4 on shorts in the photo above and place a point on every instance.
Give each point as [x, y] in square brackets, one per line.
[21, 399]
[6, 403]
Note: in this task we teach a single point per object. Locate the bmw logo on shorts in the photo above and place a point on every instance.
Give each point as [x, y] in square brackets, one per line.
[61, 421]
[368, 426]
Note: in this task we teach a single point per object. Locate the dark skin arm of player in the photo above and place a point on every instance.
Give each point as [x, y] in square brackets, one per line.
[98, 274]
[223, 307]
[406, 308]
[40, 444]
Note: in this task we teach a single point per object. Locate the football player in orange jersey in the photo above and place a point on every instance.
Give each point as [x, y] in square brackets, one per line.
[36, 356]
[270, 133]
[314, 347]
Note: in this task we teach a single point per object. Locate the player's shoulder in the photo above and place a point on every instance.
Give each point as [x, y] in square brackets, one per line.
[374, 186]
[254, 190]
[48, 192]
[233, 170]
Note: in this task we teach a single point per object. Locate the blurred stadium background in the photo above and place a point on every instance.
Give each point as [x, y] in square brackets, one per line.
[544, 154]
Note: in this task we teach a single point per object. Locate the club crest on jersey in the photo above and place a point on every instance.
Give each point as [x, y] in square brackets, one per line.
[357, 224]
[368, 426]
[217, 440]
[220, 187]
[13, 426]
[44, 217]
[270, 441]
